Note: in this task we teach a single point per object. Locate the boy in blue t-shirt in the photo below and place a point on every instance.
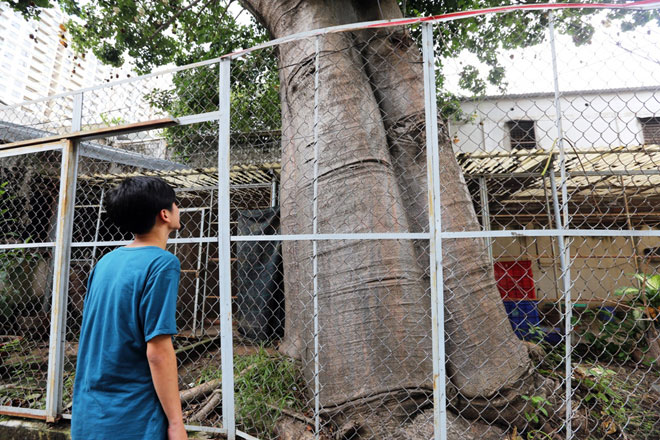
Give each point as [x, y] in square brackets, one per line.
[126, 383]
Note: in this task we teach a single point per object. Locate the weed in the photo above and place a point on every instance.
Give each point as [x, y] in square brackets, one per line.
[538, 403]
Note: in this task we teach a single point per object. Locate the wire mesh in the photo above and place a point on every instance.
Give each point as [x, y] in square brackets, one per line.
[561, 147]
[35, 120]
[29, 191]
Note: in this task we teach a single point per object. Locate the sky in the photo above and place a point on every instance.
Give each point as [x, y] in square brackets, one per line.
[614, 59]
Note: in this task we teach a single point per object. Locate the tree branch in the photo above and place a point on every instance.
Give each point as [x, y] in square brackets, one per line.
[211, 403]
[167, 24]
[200, 390]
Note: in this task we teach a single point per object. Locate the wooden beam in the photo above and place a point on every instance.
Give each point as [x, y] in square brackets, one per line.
[97, 133]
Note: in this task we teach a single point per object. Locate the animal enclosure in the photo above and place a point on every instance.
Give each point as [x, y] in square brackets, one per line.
[384, 236]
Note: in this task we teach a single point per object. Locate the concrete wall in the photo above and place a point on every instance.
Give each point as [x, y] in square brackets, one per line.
[600, 265]
[589, 120]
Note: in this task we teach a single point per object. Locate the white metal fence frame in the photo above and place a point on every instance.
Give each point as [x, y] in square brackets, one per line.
[71, 151]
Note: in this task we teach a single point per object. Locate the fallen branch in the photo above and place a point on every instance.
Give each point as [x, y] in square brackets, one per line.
[196, 344]
[199, 391]
[292, 414]
[206, 388]
[211, 403]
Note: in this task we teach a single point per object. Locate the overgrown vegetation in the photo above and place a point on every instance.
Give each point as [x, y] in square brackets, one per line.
[628, 334]
[28, 387]
[613, 375]
[265, 385]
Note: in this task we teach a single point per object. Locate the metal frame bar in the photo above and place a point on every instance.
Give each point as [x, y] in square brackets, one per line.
[550, 232]
[61, 264]
[562, 223]
[23, 412]
[30, 149]
[485, 215]
[309, 237]
[199, 118]
[78, 135]
[574, 173]
[224, 243]
[315, 268]
[189, 428]
[49, 244]
[435, 227]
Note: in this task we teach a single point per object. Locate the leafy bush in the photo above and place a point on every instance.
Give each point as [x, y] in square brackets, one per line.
[621, 334]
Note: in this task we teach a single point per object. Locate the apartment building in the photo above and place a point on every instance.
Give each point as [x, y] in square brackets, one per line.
[36, 58]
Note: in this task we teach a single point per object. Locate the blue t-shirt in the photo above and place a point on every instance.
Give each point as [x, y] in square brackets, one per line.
[131, 298]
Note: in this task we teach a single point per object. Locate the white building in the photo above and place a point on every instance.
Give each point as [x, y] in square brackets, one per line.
[36, 58]
[590, 119]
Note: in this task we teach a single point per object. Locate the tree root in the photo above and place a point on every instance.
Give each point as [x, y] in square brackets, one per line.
[382, 426]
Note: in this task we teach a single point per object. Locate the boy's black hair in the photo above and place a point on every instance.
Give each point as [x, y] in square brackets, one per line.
[135, 203]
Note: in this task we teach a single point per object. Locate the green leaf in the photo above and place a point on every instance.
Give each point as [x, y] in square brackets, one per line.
[654, 282]
[626, 291]
[640, 276]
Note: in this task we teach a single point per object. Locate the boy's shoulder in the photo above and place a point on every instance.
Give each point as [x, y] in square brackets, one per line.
[153, 257]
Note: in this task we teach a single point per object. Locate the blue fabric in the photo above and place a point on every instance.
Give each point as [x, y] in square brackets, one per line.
[131, 298]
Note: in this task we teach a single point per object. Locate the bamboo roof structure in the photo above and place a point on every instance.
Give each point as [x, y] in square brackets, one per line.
[604, 186]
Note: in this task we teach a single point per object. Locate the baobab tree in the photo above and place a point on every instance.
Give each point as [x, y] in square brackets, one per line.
[374, 306]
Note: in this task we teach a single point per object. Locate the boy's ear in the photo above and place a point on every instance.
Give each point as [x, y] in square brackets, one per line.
[165, 216]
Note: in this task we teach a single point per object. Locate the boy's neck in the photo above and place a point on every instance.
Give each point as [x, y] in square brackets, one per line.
[156, 237]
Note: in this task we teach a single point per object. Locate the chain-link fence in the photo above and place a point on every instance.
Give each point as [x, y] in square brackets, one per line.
[390, 230]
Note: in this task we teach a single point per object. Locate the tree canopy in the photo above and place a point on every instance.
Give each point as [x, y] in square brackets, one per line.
[153, 33]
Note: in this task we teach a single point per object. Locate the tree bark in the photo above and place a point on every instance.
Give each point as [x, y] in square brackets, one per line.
[374, 302]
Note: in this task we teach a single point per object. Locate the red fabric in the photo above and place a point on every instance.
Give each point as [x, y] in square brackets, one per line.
[515, 279]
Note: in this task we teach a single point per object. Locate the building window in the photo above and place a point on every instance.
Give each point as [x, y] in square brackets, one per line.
[651, 130]
[521, 133]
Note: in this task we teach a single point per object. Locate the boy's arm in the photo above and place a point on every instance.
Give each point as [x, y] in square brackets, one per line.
[162, 362]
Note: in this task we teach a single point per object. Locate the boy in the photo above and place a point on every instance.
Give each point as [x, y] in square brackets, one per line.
[126, 383]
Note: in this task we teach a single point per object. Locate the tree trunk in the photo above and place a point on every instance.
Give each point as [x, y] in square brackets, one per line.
[373, 296]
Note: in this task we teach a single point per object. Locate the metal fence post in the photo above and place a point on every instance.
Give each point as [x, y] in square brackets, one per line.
[435, 225]
[562, 224]
[317, 384]
[485, 215]
[65, 207]
[224, 244]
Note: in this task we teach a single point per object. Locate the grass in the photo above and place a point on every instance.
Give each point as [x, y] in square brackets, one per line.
[26, 387]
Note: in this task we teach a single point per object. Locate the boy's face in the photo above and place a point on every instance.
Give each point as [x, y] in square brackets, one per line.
[175, 222]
